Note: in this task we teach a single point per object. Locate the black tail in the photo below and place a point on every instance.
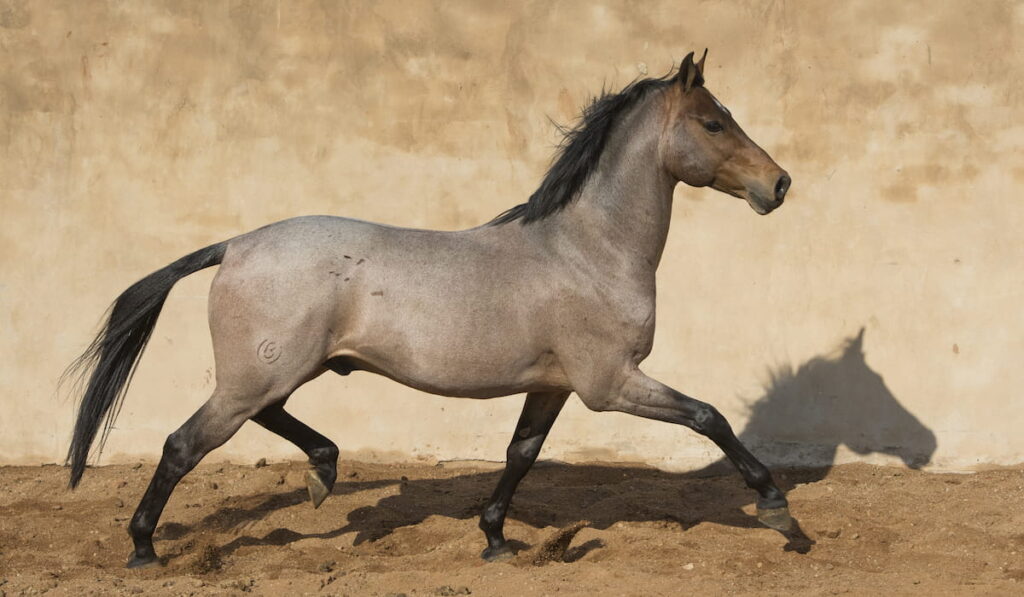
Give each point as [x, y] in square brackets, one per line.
[110, 359]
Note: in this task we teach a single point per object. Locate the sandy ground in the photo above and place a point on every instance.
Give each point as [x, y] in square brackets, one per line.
[411, 529]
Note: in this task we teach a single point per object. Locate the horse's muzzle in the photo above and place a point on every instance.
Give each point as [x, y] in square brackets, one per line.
[782, 187]
[763, 203]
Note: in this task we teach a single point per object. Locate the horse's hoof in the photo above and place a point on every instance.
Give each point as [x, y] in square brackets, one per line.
[137, 561]
[497, 554]
[776, 518]
[318, 492]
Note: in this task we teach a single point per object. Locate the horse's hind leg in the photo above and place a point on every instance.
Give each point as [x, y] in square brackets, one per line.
[539, 414]
[212, 425]
[322, 452]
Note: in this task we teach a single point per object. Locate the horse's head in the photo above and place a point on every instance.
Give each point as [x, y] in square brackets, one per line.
[703, 146]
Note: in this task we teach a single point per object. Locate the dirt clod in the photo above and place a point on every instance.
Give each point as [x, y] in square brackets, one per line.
[208, 560]
[553, 548]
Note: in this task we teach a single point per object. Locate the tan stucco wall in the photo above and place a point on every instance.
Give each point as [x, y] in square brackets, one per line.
[132, 133]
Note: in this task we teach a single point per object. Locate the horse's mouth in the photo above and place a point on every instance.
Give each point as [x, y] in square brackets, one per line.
[757, 201]
[760, 205]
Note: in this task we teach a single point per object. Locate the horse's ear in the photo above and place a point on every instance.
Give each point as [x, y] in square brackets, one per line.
[700, 63]
[690, 73]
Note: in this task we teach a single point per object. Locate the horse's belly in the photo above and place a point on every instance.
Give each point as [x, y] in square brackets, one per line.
[453, 356]
[470, 382]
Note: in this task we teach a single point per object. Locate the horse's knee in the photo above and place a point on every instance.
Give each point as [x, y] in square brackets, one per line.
[707, 421]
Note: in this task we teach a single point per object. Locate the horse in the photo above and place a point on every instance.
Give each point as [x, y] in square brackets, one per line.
[553, 296]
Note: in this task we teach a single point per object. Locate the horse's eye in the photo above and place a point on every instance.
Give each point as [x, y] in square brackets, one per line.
[713, 126]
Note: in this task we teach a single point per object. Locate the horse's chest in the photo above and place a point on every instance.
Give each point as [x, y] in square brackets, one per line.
[638, 321]
[621, 320]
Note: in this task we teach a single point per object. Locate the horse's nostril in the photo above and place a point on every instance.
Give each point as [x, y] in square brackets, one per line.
[781, 187]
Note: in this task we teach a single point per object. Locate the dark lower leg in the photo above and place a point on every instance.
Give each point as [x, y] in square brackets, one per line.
[709, 422]
[204, 431]
[322, 452]
[539, 414]
[174, 465]
[646, 397]
[772, 508]
[706, 420]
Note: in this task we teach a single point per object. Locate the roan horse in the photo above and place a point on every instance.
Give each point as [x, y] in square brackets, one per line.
[553, 296]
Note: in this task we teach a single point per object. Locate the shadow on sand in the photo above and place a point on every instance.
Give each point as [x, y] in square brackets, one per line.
[798, 424]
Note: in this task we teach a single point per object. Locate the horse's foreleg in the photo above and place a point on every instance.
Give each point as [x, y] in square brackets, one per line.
[212, 425]
[645, 397]
[322, 452]
[539, 413]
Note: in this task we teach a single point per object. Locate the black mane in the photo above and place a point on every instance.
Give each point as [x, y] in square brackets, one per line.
[579, 152]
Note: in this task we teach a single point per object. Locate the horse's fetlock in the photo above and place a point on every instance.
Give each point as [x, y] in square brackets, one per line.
[324, 455]
[759, 478]
[492, 517]
[139, 527]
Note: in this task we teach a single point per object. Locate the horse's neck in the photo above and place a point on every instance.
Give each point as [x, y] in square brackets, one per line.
[623, 213]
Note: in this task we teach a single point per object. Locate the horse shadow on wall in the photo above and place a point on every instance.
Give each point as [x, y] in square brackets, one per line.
[798, 424]
[829, 401]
